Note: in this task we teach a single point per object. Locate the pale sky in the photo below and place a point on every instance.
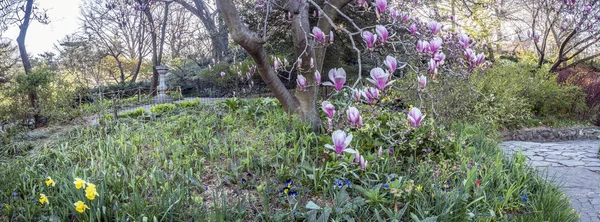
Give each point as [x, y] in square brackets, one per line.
[63, 15]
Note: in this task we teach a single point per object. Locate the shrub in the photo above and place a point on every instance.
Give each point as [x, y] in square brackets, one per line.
[163, 108]
[139, 112]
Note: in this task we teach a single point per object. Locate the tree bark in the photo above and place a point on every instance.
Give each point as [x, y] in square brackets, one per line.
[163, 31]
[32, 95]
[154, 37]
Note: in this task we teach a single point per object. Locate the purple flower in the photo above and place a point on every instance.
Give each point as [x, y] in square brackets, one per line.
[379, 78]
[391, 63]
[382, 32]
[369, 39]
[536, 37]
[337, 77]
[439, 57]
[464, 40]
[415, 117]
[422, 46]
[422, 81]
[328, 108]
[301, 81]
[435, 44]
[413, 29]
[357, 157]
[404, 17]
[222, 74]
[394, 14]
[470, 54]
[317, 77]
[380, 5]
[479, 59]
[433, 65]
[354, 117]
[434, 27]
[371, 94]
[319, 35]
[340, 142]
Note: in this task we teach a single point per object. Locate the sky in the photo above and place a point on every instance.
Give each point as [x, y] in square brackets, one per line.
[63, 15]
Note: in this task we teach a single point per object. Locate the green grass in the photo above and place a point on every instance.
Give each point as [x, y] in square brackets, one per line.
[231, 161]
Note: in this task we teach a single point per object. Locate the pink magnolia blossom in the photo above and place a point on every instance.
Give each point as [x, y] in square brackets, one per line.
[433, 65]
[404, 17]
[479, 59]
[337, 77]
[380, 5]
[357, 157]
[328, 108]
[380, 152]
[319, 35]
[340, 142]
[317, 77]
[356, 94]
[422, 81]
[379, 78]
[413, 29]
[464, 40]
[363, 163]
[422, 46]
[354, 117]
[391, 63]
[536, 37]
[470, 54]
[276, 65]
[394, 14]
[369, 39]
[301, 81]
[382, 32]
[248, 75]
[285, 63]
[222, 74]
[434, 27]
[331, 37]
[371, 94]
[299, 63]
[415, 117]
[209, 67]
[435, 44]
[439, 57]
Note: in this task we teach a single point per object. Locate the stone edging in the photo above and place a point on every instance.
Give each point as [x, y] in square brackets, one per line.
[552, 134]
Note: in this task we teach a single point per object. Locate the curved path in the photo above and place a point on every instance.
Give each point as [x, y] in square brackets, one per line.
[572, 164]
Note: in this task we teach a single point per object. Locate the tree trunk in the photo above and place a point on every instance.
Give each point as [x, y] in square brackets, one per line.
[163, 31]
[155, 61]
[32, 95]
[300, 28]
[253, 44]
[141, 31]
[218, 34]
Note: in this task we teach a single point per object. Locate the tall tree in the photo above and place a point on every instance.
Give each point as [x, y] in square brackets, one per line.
[22, 13]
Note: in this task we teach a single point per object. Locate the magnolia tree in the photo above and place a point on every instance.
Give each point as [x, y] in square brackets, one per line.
[570, 27]
[402, 45]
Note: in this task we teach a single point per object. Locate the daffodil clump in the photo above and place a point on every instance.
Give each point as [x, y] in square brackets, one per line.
[90, 193]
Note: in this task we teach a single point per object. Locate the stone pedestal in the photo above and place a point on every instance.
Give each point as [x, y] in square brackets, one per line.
[162, 97]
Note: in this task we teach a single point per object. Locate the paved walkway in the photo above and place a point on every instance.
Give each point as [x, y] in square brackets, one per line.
[574, 164]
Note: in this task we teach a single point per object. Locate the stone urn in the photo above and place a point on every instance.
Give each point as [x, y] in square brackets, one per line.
[162, 97]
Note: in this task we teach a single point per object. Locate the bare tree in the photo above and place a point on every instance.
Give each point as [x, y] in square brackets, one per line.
[569, 28]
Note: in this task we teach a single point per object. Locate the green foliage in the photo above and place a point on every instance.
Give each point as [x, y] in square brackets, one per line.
[136, 113]
[509, 95]
[217, 162]
[163, 108]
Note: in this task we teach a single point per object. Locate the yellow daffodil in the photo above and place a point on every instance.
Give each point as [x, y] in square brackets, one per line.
[79, 183]
[43, 199]
[90, 191]
[50, 182]
[419, 188]
[80, 206]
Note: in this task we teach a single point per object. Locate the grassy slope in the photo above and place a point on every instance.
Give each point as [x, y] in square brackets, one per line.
[219, 164]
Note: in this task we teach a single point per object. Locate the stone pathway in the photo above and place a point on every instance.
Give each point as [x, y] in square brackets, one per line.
[573, 164]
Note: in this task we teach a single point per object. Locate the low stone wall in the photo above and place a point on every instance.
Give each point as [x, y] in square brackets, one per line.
[553, 135]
